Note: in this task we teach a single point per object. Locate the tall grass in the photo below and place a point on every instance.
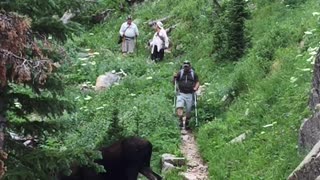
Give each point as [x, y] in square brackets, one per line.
[269, 85]
[273, 82]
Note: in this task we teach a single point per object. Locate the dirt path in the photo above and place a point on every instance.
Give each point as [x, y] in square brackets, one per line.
[197, 170]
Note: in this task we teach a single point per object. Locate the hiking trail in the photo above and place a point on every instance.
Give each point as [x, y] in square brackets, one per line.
[196, 168]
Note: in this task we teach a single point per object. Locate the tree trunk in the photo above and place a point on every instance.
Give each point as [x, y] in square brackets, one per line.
[3, 154]
[217, 8]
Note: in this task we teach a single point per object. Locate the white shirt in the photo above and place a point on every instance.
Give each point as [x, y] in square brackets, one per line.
[162, 42]
[129, 30]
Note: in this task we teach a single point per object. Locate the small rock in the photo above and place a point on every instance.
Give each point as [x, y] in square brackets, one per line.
[192, 164]
[184, 132]
[239, 139]
[189, 176]
[167, 167]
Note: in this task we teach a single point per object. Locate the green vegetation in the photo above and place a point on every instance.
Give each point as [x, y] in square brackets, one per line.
[268, 85]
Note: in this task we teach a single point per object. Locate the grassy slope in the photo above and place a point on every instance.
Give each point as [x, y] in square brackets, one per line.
[269, 94]
[266, 92]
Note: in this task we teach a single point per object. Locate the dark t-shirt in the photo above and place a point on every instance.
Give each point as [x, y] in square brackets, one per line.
[186, 83]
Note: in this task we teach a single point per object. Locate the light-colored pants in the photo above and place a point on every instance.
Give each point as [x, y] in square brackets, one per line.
[185, 100]
[128, 46]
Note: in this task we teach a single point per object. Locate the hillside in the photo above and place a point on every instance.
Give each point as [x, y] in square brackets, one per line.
[263, 94]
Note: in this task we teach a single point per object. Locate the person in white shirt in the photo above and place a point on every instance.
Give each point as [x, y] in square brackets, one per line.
[159, 43]
[128, 31]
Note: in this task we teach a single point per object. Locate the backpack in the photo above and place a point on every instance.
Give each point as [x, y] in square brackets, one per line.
[191, 71]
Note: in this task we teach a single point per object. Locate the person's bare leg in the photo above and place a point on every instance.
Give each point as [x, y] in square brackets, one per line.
[180, 115]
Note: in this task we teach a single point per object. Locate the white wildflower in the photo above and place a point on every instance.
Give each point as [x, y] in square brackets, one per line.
[306, 69]
[315, 14]
[313, 53]
[63, 148]
[268, 125]
[310, 59]
[308, 32]
[17, 104]
[293, 79]
[224, 98]
[247, 112]
[83, 59]
[310, 49]
[87, 98]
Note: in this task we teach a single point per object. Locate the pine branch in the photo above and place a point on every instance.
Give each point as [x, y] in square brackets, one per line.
[42, 106]
[23, 70]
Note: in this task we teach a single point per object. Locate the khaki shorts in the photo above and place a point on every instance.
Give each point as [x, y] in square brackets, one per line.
[185, 101]
[128, 46]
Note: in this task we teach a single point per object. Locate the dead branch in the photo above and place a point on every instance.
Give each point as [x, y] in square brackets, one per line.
[102, 16]
[67, 16]
[23, 69]
[168, 30]
[3, 154]
[151, 23]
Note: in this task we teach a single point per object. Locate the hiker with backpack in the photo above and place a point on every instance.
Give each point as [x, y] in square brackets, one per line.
[188, 83]
[159, 43]
[128, 34]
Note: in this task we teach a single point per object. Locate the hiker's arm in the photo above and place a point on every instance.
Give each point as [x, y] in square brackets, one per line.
[166, 40]
[196, 86]
[152, 41]
[122, 29]
[137, 31]
[176, 77]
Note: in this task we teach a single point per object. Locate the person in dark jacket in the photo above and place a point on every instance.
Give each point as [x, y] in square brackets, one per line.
[188, 83]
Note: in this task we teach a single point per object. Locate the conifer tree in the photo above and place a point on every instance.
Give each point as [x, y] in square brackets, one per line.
[230, 39]
[30, 101]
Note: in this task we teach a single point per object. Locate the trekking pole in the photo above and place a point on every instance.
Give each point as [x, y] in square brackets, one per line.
[195, 107]
[174, 97]
[137, 44]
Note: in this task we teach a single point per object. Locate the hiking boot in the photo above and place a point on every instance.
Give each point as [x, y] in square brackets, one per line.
[187, 125]
[180, 122]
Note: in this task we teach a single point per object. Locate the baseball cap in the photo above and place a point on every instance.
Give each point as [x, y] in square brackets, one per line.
[186, 63]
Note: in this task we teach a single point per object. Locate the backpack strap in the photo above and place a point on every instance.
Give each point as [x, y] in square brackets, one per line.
[182, 71]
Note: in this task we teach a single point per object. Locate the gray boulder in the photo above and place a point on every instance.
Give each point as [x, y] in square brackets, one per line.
[105, 81]
[309, 168]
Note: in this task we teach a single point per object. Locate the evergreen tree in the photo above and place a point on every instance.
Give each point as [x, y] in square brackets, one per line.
[230, 39]
[30, 101]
